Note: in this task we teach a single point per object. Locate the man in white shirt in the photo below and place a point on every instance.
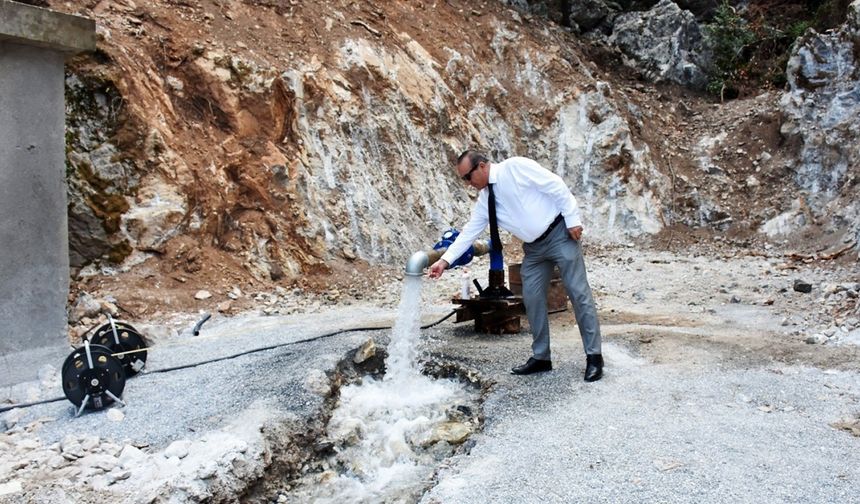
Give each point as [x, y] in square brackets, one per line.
[531, 203]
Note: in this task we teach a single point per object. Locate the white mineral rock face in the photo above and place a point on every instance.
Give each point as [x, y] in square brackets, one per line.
[786, 222]
[366, 157]
[594, 153]
[372, 148]
[822, 109]
[155, 216]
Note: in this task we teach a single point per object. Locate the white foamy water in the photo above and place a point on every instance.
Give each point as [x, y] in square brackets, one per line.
[383, 430]
[403, 349]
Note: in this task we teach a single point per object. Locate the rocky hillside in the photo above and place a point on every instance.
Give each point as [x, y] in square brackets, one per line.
[224, 143]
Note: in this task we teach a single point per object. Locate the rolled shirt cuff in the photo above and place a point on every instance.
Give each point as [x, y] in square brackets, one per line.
[571, 221]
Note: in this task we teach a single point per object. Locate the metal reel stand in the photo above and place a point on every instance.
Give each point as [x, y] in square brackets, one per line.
[92, 378]
[124, 342]
[94, 375]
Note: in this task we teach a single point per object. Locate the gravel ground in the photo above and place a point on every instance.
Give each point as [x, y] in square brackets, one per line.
[163, 407]
[705, 398]
[710, 395]
[660, 433]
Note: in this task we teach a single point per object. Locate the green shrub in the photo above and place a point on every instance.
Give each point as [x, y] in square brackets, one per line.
[730, 38]
[797, 29]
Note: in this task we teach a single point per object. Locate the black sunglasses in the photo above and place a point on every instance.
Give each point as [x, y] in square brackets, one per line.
[468, 176]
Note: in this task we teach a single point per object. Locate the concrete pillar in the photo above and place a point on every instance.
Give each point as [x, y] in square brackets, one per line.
[34, 257]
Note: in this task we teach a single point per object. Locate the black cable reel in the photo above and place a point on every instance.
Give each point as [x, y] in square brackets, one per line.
[94, 375]
[125, 343]
[92, 378]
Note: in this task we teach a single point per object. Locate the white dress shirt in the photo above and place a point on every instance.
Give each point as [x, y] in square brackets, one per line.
[528, 198]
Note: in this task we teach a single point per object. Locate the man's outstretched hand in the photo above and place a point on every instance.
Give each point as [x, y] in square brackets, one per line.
[437, 268]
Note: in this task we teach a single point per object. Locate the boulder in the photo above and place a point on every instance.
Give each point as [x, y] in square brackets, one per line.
[317, 382]
[801, 286]
[365, 351]
[702, 9]
[130, 457]
[581, 15]
[89, 443]
[451, 432]
[85, 306]
[665, 43]
[155, 214]
[821, 111]
[816, 339]
[587, 14]
[102, 462]
[177, 449]
[11, 488]
[88, 239]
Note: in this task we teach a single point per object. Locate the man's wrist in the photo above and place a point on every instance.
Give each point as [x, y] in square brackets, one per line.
[572, 222]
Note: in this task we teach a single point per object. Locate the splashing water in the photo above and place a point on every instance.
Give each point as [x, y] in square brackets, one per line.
[385, 430]
[403, 349]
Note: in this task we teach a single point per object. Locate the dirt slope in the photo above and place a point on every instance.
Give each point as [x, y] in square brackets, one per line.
[217, 139]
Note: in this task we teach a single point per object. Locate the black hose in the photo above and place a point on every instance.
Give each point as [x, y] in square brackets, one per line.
[446, 317]
[200, 324]
[262, 349]
[255, 350]
[27, 405]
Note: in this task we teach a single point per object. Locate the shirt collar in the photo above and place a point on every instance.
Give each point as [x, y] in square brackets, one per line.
[494, 174]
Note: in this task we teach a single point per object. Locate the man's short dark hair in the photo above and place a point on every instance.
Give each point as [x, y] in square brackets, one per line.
[475, 158]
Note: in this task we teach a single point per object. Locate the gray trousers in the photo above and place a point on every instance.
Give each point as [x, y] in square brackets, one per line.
[557, 249]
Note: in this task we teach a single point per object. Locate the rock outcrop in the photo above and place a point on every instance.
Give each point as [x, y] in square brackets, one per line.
[822, 116]
[332, 140]
[216, 467]
[666, 43]
[345, 152]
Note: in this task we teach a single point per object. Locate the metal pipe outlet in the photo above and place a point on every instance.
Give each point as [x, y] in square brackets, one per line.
[422, 259]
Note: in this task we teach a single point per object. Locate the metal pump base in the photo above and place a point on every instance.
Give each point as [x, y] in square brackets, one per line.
[497, 310]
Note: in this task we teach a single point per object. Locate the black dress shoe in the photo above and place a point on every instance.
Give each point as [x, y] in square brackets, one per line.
[533, 366]
[593, 367]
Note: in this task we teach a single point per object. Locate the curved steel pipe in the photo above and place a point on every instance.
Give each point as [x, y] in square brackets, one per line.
[422, 259]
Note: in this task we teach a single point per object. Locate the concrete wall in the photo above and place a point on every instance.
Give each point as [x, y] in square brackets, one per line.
[34, 250]
[34, 257]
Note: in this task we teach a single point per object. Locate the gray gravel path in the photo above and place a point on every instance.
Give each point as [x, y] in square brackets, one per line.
[182, 404]
[705, 398]
[656, 433]
[701, 401]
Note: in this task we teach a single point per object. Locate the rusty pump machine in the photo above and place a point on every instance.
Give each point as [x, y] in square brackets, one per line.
[496, 309]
